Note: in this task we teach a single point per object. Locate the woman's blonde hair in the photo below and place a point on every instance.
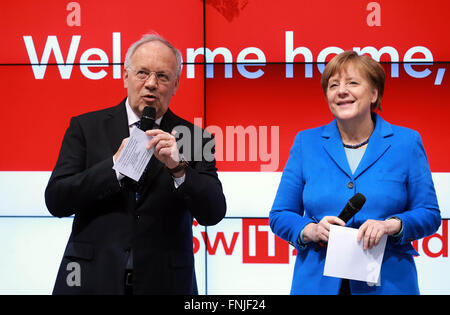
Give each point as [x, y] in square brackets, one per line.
[373, 71]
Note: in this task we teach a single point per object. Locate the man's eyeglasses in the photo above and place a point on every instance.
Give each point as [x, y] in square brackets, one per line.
[144, 75]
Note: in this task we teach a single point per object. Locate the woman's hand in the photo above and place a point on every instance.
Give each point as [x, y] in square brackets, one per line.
[319, 232]
[372, 231]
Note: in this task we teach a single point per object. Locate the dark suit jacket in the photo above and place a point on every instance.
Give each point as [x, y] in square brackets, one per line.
[108, 220]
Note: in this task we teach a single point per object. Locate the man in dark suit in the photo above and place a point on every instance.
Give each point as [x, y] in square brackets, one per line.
[121, 243]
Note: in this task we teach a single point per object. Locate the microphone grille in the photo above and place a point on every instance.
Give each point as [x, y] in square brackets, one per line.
[149, 112]
[358, 201]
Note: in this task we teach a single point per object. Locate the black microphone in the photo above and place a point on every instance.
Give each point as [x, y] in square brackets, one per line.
[148, 118]
[351, 208]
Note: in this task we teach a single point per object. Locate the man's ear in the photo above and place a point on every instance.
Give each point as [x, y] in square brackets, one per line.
[177, 83]
[125, 78]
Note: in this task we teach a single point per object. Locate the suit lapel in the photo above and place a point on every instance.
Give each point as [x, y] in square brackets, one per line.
[117, 130]
[379, 143]
[117, 126]
[332, 144]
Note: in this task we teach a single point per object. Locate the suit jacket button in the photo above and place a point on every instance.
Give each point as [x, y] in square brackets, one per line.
[350, 185]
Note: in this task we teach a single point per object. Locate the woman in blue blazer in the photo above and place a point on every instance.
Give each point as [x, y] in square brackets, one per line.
[358, 152]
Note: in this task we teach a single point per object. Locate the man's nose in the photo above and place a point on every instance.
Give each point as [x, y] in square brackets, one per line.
[152, 80]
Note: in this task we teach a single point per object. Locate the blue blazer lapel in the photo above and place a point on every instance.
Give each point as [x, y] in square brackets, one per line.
[332, 143]
[379, 143]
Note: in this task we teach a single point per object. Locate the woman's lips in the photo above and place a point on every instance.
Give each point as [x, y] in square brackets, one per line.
[343, 103]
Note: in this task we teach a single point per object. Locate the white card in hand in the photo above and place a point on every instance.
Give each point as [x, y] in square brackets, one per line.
[347, 259]
[134, 156]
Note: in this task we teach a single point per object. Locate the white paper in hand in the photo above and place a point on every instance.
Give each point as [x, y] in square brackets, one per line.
[347, 259]
[134, 156]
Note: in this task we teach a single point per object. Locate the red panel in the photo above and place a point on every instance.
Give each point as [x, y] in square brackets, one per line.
[274, 99]
[297, 103]
[181, 22]
[37, 112]
[320, 24]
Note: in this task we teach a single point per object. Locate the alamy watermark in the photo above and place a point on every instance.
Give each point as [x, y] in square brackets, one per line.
[232, 143]
[73, 278]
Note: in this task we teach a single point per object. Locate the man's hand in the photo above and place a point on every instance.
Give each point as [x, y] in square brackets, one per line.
[116, 156]
[165, 146]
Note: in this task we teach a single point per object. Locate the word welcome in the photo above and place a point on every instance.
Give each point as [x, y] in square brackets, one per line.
[250, 61]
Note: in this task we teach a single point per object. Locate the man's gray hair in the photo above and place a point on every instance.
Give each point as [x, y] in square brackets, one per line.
[149, 38]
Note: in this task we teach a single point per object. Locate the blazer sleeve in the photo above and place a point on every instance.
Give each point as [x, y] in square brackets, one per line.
[286, 217]
[422, 217]
[73, 185]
